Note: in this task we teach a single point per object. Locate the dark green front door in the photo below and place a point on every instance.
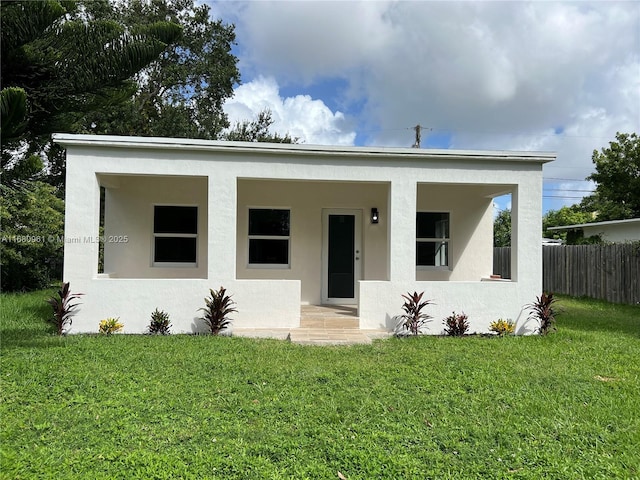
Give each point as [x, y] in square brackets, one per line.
[341, 253]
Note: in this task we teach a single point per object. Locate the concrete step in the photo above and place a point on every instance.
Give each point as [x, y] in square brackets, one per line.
[332, 336]
[315, 336]
[329, 316]
[321, 325]
[313, 321]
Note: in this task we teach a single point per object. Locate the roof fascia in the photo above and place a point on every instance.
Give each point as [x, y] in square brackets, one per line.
[108, 141]
[596, 224]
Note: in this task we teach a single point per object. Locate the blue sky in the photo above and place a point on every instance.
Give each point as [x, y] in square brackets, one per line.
[547, 76]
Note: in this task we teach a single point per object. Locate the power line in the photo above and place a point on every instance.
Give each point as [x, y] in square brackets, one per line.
[566, 179]
[454, 132]
[560, 196]
[567, 190]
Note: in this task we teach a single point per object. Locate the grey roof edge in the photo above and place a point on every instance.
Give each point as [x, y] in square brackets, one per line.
[67, 139]
[596, 224]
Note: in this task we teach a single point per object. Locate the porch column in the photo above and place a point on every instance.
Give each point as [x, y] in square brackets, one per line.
[221, 221]
[526, 251]
[515, 227]
[402, 231]
[82, 221]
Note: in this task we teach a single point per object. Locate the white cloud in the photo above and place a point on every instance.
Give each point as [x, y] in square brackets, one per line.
[301, 116]
[494, 75]
[304, 40]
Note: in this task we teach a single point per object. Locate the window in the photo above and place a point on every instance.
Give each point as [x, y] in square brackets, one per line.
[175, 235]
[268, 237]
[432, 242]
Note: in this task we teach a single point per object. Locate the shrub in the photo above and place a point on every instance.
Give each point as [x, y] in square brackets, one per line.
[63, 308]
[413, 318]
[456, 324]
[218, 307]
[160, 323]
[110, 325]
[503, 327]
[544, 312]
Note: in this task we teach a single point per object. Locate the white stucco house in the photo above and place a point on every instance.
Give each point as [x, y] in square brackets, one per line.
[614, 231]
[282, 226]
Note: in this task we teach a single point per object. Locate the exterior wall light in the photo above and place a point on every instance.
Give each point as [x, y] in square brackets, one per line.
[375, 218]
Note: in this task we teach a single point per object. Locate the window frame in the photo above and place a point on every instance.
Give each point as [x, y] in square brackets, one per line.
[281, 266]
[155, 235]
[442, 240]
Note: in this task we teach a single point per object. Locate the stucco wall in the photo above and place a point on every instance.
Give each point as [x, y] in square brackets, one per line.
[306, 201]
[623, 232]
[133, 301]
[272, 303]
[129, 207]
[483, 302]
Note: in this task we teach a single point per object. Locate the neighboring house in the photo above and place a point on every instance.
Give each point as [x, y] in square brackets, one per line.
[283, 225]
[614, 231]
[551, 241]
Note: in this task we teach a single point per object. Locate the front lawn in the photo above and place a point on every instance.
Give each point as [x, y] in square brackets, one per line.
[564, 406]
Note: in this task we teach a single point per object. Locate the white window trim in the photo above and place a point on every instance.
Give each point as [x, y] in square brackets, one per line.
[155, 235]
[269, 266]
[446, 240]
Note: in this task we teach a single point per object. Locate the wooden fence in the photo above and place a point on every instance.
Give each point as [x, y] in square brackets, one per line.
[502, 261]
[608, 272]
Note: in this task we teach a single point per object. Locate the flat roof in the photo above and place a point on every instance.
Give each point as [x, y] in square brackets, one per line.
[67, 139]
[596, 224]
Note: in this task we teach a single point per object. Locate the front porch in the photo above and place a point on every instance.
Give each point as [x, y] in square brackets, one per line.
[320, 325]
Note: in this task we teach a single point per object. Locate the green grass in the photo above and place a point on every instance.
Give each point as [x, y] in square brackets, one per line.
[566, 406]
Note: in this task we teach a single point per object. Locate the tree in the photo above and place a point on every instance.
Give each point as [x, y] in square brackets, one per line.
[257, 130]
[13, 110]
[32, 217]
[617, 178]
[502, 229]
[573, 215]
[64, 60]
[182, 92]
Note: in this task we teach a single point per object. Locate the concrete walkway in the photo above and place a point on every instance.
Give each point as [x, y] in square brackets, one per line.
[320, 325]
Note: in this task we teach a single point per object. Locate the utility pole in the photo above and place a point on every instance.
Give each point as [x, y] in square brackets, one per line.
[417, 143]
[418, 128]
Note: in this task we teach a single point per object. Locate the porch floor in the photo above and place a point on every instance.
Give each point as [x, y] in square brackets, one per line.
[321, 325]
